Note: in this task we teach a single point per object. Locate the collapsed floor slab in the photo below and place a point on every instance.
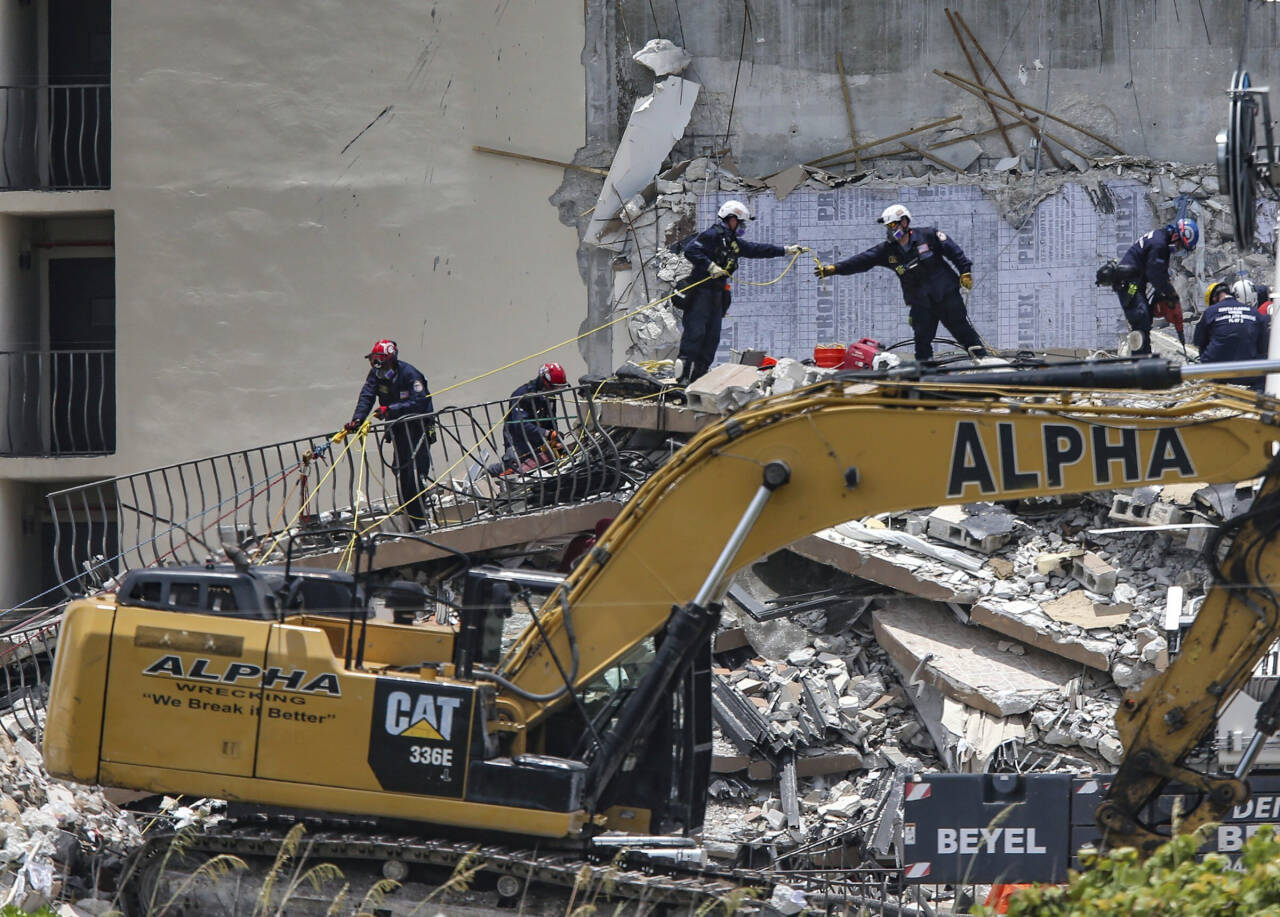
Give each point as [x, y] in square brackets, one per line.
[967, 664]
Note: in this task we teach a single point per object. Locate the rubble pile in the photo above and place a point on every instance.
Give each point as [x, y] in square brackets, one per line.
[47, 826]
[965, 638]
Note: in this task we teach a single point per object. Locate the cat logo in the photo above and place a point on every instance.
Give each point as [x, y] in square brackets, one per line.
[425, 716]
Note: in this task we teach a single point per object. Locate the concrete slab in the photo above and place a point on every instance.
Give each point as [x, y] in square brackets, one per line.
[1004, 618]
[964, 663]
[647, 415]
[663, 56]
[657, 121]
[482, 536]
[711, 391]
[830, 547]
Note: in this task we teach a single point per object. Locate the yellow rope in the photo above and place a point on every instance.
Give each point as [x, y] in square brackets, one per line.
[349, 550]
[444, 474]
[338, 437]
[611, 323]
[362, 433]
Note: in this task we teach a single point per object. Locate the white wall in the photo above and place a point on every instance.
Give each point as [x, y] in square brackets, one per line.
[264, 242]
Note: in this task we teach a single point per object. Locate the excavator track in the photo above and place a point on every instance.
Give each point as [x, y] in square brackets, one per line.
[332, 844]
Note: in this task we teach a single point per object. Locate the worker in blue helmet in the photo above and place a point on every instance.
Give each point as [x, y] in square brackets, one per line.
[1142, 280]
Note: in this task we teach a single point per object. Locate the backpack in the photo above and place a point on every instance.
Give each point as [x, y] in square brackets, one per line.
[1109, 274]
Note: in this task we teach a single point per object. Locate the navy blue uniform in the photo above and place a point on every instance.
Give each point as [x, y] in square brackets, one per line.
[1145, 264]
[707, 303]
[1228, 331]
[407, 397]
[930, 286]
[530, 421]
[531, 418]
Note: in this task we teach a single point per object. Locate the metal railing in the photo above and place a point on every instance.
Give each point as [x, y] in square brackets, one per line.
[182, 513]
[26, 662]
[58, 402]
[55, 137]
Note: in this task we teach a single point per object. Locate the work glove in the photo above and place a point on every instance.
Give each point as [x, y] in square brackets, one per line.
[717, 271]
[791, 250]
[966, 280]
[382, 411]
[431, 435]
[823, 270]
[351, 426]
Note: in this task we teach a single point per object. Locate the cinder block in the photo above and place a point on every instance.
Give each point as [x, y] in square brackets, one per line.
[1124, 509]
[1094, 573]
[1053, 562]
[946, 523]
[1162, 513]
[1198, 537]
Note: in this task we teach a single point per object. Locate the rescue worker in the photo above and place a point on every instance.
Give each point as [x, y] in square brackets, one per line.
[1244, 291]
[1229, 330]
[404, 401]
[1146, 263]
[714, 253]
[1264, 299]
[930, 285]
[529, 432]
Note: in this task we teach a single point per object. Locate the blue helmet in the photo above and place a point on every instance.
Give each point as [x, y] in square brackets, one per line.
[1187, 232]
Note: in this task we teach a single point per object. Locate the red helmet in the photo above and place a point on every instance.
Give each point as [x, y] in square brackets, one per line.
[382, 352]
[552, 374]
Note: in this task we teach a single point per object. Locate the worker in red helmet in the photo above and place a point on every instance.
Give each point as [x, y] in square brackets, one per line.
[404, 402]
[529, 432]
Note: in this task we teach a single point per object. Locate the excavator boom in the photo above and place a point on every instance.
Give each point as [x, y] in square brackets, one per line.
[632, 616]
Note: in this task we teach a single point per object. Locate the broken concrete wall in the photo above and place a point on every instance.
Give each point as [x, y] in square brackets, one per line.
[1098, 64]
[772, 98]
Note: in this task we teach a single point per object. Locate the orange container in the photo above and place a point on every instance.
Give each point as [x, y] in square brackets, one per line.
[829, 355]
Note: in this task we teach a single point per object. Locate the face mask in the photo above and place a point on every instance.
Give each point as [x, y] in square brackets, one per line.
[740, 231]
[896, 234]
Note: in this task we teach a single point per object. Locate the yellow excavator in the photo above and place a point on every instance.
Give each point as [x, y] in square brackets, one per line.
[273, 685]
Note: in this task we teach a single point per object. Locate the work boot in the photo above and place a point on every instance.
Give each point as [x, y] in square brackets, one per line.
[684, 372]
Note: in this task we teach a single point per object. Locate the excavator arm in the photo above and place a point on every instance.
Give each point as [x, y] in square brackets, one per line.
[220, 682]
[852, 448]
[1171, 713]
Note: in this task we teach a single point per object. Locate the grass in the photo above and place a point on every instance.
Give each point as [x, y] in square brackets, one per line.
[594, 892]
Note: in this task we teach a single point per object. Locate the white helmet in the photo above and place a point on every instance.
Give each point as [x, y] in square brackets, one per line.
[1244, 291]
[893, 213]
[734, 209]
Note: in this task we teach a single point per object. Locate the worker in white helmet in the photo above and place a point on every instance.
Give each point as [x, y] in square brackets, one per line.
[930, 285]
[714, 253]
[1245, 292]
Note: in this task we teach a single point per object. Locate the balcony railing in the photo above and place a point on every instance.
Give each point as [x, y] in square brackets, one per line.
[183, 513]
[55, 137]
[58, 402]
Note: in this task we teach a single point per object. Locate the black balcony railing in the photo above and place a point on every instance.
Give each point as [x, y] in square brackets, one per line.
[58, 402]
[183, 513]
[55, 137]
